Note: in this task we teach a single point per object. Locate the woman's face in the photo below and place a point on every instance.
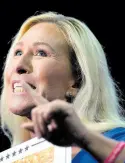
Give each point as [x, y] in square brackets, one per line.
[41, 59]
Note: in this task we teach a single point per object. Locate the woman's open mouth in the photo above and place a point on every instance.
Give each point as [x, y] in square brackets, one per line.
[17, 87]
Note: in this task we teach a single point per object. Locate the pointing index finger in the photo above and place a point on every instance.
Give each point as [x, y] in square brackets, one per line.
[31, 92]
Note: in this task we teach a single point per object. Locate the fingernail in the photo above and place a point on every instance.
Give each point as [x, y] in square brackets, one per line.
[50, 128]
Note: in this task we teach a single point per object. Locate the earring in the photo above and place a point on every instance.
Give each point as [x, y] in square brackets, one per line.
[69, 94]
[69, 97]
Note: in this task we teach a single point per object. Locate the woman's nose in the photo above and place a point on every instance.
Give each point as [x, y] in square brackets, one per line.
[24, 66]
[21, 70]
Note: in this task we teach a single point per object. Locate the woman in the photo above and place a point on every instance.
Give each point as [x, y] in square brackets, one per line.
[59, 58]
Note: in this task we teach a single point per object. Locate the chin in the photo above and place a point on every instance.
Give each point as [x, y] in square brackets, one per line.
[20, 105]
[22, 109]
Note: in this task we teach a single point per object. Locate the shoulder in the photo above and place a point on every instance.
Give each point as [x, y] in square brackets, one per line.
[116, 133]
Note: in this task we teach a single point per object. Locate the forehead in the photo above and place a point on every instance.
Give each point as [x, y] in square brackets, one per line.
[45, 32]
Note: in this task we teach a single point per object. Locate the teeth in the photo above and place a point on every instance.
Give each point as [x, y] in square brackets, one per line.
[18, 89]
[17, 85]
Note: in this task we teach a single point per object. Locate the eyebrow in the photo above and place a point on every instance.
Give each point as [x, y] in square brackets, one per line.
[38, 43]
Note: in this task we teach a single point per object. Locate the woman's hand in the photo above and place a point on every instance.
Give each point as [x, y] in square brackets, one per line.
[55, 121]
[58, 123]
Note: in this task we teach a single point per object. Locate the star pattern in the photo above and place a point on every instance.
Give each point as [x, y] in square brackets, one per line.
[14, 153]
[7, 156]
[27, 147]
[2, 159]
[20, 151]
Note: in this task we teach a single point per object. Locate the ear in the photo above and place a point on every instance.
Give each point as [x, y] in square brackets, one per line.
[71, 91]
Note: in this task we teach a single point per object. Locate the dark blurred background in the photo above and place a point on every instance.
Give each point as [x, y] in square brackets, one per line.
[106, 20]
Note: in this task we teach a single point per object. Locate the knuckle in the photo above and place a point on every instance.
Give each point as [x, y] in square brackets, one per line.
[57, 101]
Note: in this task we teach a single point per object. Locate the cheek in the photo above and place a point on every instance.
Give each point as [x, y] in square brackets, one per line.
[9, 70]
[53, 72]
[8, 74]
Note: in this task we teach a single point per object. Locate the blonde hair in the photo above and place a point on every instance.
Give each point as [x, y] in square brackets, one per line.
[97, 102]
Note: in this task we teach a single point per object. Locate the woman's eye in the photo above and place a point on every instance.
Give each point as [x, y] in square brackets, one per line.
[41, 53]
[18, 53]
